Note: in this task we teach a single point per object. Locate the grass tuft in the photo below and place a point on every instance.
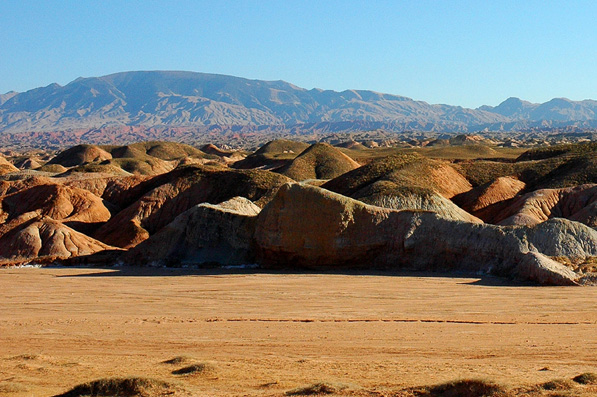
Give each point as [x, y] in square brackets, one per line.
[314, 389]
[193, 369]
[119, 387]
[465, 388]
[27, 357]
[557, 384]
[178, 360]
[588, 378]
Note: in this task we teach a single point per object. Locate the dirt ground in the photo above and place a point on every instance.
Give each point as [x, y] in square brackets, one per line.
[264, 334]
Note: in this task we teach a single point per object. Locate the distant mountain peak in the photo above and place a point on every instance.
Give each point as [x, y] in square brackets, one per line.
[192, 99]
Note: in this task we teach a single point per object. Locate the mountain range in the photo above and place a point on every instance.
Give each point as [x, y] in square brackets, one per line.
[189, 99]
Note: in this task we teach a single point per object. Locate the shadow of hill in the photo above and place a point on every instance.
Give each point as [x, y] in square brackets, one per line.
[134, 271]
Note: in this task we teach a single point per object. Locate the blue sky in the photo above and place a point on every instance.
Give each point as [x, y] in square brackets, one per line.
[465, 53]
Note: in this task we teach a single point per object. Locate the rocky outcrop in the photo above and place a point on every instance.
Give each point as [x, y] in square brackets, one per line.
[206, 233]
[401, 198]
[561, 237]
[311, 227]
[6, 167]
[578, 203]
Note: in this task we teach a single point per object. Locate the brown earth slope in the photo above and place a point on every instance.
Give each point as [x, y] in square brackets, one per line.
[71, 205]
[44, 239]
[81, 154]
[578, 203]
[6, 166]
[178, 191]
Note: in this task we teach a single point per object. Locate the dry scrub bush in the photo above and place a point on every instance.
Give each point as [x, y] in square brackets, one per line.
[588, 378]
[314, 389]
[118, 387]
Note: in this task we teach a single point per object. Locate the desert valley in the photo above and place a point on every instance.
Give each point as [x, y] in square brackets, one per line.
[192, 234]
[437, 267]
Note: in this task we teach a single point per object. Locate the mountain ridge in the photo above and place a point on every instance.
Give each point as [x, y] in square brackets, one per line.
[192, 99]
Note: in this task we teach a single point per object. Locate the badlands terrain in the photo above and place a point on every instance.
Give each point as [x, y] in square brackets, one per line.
[359, 268]
[462, 206]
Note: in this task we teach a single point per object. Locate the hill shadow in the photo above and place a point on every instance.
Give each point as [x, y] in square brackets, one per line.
[141, 271]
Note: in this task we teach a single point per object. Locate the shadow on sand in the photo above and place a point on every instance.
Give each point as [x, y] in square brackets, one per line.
[140, 271]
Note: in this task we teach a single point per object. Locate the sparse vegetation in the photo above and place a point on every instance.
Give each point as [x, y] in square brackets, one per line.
[463, 388]
[584, 265]
[27, 357]
[54, 168]
[273, 154]
[588, 378]
[316, 389]
[558, 150]
[194, 369]
[178, 360]
[557, 384]
[120, 387]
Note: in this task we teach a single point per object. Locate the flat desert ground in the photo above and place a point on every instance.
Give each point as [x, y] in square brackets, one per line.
[264, 334]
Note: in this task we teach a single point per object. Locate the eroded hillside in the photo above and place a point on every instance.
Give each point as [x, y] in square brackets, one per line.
[461, 205]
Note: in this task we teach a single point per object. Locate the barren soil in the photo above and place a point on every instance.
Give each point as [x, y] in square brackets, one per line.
[264, 334]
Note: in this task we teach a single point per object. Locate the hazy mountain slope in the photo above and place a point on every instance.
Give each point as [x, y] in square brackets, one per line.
[188, 99]
[557, 109]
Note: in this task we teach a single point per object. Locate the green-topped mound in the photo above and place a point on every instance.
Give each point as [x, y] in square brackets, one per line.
[530, 172]
[144, 158]
[318, 161]
[407, 181]
[552, 172]
[27, 163]
[81, 154]
[145, 166]
[404, 170]
[162, 150]
[273, 154]
[281, 146]
[55, 168]
[354, 145]
[107, 167]
[559, 150]
[578, 170]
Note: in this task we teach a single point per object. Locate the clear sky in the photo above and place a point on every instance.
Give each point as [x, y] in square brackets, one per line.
[465, 53]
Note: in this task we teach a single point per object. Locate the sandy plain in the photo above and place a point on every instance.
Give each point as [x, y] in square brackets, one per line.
[264, 334]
